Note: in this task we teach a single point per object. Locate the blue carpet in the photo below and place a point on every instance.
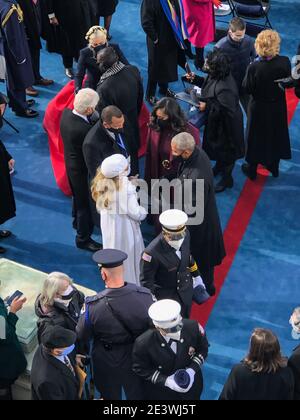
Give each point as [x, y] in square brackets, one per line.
[263, 285]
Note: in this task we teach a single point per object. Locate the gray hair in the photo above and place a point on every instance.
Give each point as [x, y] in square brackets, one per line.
[184, 141]
[86, 98]
[296, 314]
[52, 286]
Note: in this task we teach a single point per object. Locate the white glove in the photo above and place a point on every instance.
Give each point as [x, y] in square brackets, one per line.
[191, 374]
[170, 383]
[198, 282]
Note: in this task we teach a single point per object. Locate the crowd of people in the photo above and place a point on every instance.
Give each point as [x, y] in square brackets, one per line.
[143, 339]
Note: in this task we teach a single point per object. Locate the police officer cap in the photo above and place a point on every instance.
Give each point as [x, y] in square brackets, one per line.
[173, 220]
[165, 313]
[110, 258]
[58, 338]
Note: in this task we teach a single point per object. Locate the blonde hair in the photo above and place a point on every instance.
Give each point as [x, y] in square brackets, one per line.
[52, 286]
[95, 32]
[267, 43]
[104, 190]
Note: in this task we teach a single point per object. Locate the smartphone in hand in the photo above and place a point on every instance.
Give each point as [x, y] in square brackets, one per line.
[14, 296]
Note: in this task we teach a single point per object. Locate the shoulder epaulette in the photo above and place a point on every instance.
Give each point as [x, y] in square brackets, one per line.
[14, 8]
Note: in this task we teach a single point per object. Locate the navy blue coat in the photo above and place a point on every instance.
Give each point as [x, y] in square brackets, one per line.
[87, 65]
[241, 54]
[14, 46]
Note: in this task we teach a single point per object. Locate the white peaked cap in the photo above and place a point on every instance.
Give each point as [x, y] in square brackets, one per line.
[173, 220]
[114, 166]
[165, 313]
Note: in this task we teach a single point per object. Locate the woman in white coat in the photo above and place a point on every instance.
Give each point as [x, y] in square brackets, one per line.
[121, 214]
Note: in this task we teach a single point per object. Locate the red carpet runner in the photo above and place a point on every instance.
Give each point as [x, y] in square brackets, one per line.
[238, 224]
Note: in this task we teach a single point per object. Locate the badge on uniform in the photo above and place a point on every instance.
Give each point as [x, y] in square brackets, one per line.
[147, 257]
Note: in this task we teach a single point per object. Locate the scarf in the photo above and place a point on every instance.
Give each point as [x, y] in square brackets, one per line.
[177, 23]
[115, 69]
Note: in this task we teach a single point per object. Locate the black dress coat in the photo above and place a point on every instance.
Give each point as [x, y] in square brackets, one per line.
[294, 365]
[106, 7]
[268, 137]
[14, 47]
[168, 276]
[99, 145]
[207, 244]
[74, 17]
[87, 65]
[244, 385]
[7, 200]
[52, 380]
[163, 57]
[125, 91]
[224, 131]
[74, 130]
[154, 361]
[33, 22]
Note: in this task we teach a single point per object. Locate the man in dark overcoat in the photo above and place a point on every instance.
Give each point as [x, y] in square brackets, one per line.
[164, 51]
[14, 48]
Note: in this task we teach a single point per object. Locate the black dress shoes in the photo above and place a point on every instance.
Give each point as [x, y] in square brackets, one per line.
[5, 234]
[30, 102]
[90, 245]
[274, 171]
[27, 113]
[224, 184]
[168, 93]
[70, 73]
[249, 171]
[2, 250]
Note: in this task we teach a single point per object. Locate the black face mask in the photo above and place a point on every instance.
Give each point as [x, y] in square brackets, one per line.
[116, 130]
[99, 48]
[163, 124]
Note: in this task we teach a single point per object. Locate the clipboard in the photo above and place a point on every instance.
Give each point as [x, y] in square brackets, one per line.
[185, 97]
[81, 375]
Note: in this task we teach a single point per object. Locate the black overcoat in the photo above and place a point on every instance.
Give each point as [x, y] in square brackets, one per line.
[294, 364]
[268, 137]
[7, 200]
[33, 22]
[224, 130]
[207, 244]
[163, 58]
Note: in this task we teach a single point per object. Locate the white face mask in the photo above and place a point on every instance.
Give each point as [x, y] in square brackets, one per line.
[174, 336]
[67, 292]
[296, 330]
[176, 244]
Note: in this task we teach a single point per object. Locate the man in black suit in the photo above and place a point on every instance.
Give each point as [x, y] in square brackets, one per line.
[121, 86]
[74, 127]
[112, 135]
[53, 374]
[294, 360]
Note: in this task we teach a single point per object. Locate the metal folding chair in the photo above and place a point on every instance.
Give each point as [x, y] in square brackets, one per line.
[253, 10]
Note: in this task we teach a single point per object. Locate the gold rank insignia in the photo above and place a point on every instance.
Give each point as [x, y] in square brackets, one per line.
[14, 8]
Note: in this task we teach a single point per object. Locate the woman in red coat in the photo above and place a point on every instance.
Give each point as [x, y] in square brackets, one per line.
[200, 20]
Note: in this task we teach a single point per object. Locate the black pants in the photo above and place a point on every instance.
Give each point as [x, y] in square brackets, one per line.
[17, 100]
[5, 390]
[199, 62]
[83, 221]
[226, 168]
[35, 58]
[68, 60]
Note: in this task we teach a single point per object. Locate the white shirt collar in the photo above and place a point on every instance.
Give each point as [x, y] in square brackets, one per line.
[84, 117]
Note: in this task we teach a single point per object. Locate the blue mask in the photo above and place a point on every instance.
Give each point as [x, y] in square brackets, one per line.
[68, 351]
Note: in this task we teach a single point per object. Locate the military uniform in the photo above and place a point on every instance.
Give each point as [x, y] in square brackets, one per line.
[113, 319]
[169, 273]
[155, 360]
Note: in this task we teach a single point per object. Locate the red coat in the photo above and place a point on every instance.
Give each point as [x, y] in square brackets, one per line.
[200, 20]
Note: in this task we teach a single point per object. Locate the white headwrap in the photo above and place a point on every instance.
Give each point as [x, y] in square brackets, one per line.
[114, 166]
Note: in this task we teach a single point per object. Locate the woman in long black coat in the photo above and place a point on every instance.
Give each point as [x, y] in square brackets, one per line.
[224, 130]
[164, 53]
[267, 132]
[106, 9]
[7, 200]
